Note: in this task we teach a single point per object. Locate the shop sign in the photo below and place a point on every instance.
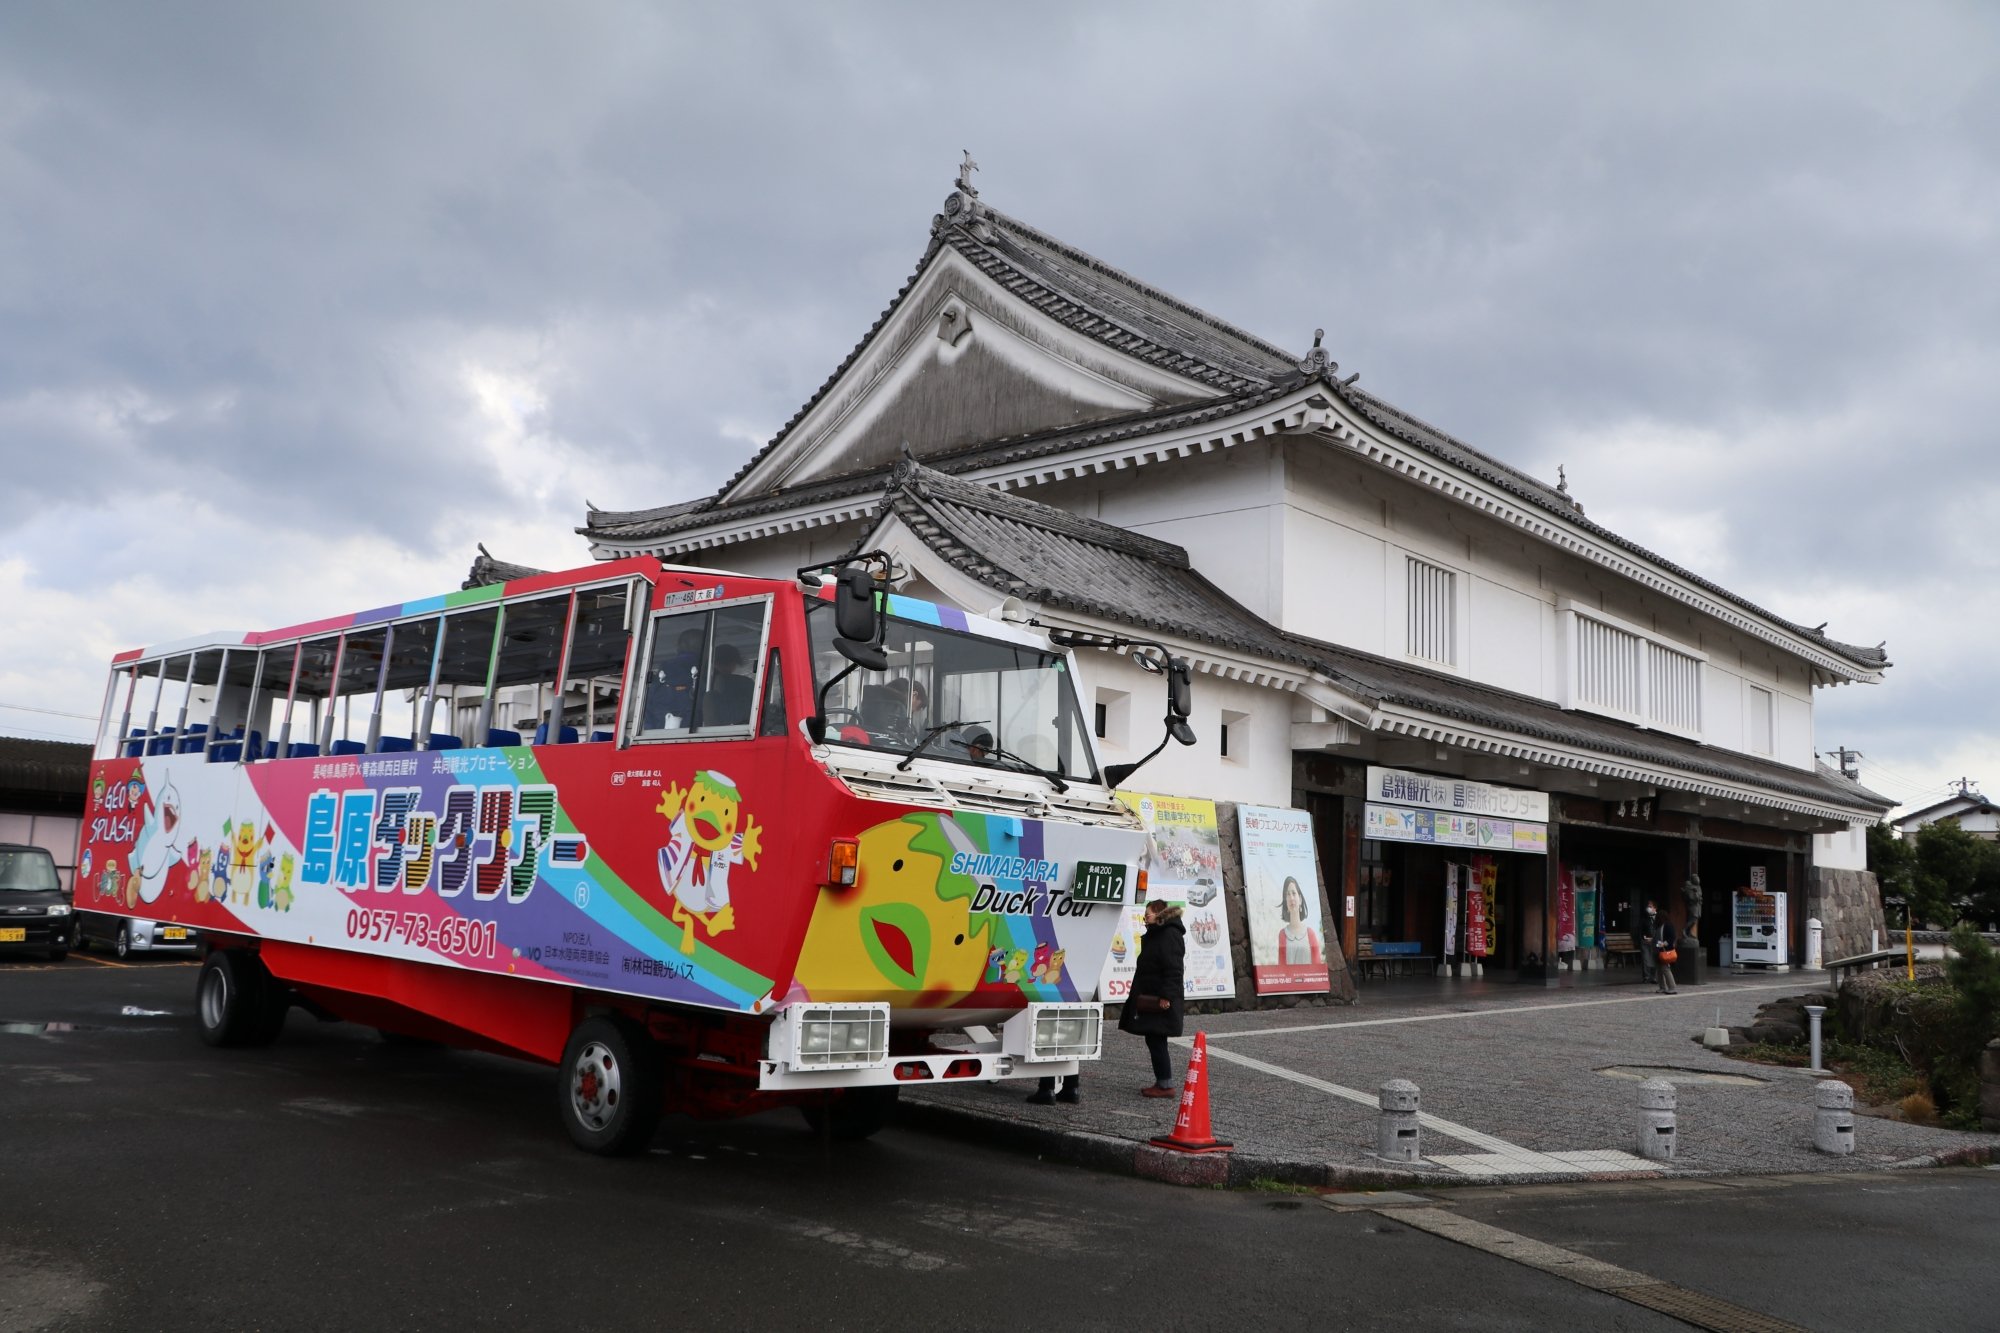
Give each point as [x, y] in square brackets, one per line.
[1395, 786]
[1479, 906]
[1389, 823]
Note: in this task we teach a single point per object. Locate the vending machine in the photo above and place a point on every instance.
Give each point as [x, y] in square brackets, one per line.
[1759, 931]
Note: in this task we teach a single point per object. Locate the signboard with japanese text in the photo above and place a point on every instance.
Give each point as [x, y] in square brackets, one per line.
[1281, 900]
[1183, 865]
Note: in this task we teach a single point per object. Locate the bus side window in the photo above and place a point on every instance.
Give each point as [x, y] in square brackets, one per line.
[773, 722]
[700, 670]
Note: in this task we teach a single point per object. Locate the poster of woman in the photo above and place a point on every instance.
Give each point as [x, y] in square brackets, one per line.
[1282, 899]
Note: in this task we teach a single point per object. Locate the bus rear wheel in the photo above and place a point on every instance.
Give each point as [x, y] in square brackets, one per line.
[609, 1086]
[854, 1113]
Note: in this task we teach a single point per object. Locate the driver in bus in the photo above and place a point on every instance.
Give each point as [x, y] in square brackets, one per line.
[670, 696]
[728, 703]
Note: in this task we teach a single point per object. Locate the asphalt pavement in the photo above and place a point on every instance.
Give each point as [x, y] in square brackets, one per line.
[333, 1181]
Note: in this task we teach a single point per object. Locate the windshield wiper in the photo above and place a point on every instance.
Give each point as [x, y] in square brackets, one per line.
[1055, 779]
[909, 756]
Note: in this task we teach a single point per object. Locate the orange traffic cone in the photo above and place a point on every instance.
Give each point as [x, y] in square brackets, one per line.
[1191, 1132]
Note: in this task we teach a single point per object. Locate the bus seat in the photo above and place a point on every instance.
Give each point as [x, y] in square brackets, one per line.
[600, 735]
[564, 736]
[193, 739]
[135, 744]
[162, 743]
[299, 750]
[348, 747]
[444, 740]
[396, 744]
[496, 736]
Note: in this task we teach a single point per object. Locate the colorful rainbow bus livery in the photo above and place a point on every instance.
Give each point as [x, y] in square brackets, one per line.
[630, 817]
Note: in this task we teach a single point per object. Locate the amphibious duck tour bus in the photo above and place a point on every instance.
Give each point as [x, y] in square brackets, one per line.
[674, 831]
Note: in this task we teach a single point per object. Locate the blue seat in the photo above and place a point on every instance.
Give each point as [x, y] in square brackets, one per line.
[230, 750]
[396, 744]
[600, 735]
[299, 750]
[162, 743]
[193, 739]
[497, 736]
[348, 747]
[565, 736]
[135, 744]
[444, 740]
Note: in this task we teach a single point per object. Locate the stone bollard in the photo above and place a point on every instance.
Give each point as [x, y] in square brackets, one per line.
[1833, 1118]
[1397, 1137]
[1657, 1132]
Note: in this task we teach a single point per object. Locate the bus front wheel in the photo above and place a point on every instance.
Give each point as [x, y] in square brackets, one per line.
[238, 1002]
[609, 1086]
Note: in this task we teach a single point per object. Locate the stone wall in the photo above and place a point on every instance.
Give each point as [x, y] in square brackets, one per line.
[1848, 904]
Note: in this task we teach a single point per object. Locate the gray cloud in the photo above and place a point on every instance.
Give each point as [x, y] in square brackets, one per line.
[397, 276]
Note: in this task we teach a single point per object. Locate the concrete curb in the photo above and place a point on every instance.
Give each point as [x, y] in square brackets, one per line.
[1126, 1157]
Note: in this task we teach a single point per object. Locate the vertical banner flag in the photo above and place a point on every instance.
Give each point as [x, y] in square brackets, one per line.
[1565, 911]
[1588, 935]
[1183, 865]
[1479, 905]
[1451, 873]
[1281, 900]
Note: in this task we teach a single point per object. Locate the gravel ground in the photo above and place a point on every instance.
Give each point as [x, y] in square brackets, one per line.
[1518, 1063]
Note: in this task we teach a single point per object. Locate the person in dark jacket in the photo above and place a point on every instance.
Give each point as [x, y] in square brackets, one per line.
[1642, 940]
[1158, 1001]
[1661, 937]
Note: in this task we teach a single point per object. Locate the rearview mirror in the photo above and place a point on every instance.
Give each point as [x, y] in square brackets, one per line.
[854, 605]
[1180, 690]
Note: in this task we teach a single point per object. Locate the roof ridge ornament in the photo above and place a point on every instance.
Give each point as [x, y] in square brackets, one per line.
[962, 207]
[1315, 362]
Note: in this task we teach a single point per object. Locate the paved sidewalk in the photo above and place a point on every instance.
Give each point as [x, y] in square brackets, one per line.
[1513, 1083]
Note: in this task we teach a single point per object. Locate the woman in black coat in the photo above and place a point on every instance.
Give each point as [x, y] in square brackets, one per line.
[1158, 977]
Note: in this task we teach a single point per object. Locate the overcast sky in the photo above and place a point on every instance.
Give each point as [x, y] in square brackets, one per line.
[298, 303]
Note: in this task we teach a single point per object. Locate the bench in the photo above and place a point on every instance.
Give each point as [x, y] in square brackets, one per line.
[1620, 949]
[1392, 964]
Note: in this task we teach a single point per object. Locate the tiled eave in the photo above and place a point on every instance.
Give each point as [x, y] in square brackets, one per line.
[1300, 410]
[1394, 721]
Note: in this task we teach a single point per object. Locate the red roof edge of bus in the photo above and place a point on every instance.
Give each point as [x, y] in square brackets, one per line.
[131, 655]
[562, 578]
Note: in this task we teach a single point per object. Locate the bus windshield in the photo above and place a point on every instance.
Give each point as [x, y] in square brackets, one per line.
[997, 704]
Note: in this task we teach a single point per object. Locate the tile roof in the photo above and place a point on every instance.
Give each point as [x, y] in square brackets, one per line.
[59, 768]
[486, 570]
[1052, 557]
[1091, 297]
[644, 524]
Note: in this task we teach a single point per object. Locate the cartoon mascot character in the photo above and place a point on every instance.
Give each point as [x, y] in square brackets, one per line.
[708, 832]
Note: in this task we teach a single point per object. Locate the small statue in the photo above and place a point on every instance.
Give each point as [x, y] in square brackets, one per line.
[1692, 892]
[965, 171]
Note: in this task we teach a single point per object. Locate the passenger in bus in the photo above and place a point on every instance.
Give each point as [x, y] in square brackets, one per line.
[670, 685]
[728, 701]
[885, 713]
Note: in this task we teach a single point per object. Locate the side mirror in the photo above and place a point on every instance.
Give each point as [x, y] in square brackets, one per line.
[854, 605]
[1180, 692]
[864, 653]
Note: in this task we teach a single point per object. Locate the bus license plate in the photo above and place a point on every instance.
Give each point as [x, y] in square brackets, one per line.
[13, 935]
[1098, 882]
[174, 933]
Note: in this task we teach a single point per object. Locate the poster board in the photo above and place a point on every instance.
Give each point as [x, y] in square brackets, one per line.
[1183, 865]
[1281, 898]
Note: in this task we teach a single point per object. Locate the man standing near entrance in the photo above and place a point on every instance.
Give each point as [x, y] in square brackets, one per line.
[1642, 940]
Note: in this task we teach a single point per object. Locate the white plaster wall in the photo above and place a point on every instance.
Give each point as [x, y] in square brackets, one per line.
[1842, 851]
[1259, 768]
[1348, 527]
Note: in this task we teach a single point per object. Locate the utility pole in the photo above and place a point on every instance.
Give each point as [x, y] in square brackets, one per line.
[1848, 768]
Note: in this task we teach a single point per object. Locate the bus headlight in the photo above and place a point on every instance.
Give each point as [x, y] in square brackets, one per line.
[1046, 1032]
[831, 1036]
